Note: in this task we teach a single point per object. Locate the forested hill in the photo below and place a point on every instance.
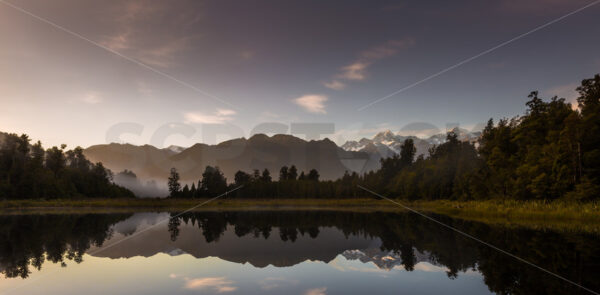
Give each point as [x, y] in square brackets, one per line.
[257, 152]
[29, 171]
[552, 151]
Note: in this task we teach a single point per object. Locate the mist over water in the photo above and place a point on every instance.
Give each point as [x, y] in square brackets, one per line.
[142, 188]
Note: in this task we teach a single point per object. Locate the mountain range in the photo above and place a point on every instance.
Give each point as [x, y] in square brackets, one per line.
[257, 152]
[387, 143]
[259, 252]
[260, 152]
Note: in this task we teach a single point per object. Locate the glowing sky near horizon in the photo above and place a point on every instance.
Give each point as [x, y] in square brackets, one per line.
[235, 64]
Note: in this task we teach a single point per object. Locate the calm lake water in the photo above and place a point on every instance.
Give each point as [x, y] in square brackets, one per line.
[316, 252]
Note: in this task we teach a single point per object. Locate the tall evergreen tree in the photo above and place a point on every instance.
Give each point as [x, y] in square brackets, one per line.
[173, 183]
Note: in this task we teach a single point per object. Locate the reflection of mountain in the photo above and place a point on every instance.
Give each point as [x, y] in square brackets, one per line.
[285, 238]
[258, 251]
[382, 259]
[258, 152]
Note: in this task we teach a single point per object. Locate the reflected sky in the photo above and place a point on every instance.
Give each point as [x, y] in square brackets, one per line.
[277, 252]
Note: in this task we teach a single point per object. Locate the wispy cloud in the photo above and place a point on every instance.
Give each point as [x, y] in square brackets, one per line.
[335, 85]
[271, 283]
[218, 284]
[533, 6]
[316, 291]
[357, 70]
[247, 54]
[92, 98]
[220, 116]
[139, 34]
[314, 103]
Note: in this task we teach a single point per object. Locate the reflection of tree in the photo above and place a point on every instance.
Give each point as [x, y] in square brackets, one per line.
[173, 226]
[572, 255]
[29, 241]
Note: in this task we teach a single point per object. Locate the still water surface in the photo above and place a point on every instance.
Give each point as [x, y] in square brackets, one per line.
[289, 252]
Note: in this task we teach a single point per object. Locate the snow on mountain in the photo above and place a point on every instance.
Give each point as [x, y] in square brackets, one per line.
[386, 143]
[386, 260]
[175, 149]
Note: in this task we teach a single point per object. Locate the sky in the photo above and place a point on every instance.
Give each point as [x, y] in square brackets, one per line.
[85, 72]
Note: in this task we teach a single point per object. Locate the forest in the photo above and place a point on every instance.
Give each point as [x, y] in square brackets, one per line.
[27, 171]
[552, 151]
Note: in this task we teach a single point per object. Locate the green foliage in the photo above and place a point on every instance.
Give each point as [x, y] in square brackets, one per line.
[551, 152]
[173, 183]
[30, 172]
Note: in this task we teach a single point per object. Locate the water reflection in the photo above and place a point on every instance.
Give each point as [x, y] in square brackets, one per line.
[279, 242]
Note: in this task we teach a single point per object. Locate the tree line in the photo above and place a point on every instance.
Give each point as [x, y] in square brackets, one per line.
[28, 242]
[551, 151]
[255, 185]
[28, 171]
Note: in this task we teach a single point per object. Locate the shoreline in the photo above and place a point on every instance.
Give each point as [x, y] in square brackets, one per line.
[556, 215]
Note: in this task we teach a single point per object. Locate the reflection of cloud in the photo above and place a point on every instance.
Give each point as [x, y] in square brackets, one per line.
[428, 267]
[316, 291]
[219, 284]
[220, 116]
[314, 103]
[273, 283]
[357, 70]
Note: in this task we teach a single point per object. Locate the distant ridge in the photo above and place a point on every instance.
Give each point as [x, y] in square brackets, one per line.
[258, 152]
[387, 143]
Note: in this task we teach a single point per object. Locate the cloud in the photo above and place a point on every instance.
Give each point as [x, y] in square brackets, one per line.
[163, 55]
[92, 98]
[335, 85]
[314, 103]
[218, 284]
[428, 267]
[357, 70]
[533, 6]
[271, 283]
[247, 54]
[316, 291]
[567, 92]
[139, 32]
[220, 116]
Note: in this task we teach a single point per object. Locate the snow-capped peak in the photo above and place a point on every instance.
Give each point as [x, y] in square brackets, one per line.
[175, 149]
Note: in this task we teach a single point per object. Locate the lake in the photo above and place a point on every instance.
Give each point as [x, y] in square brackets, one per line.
[291, 252]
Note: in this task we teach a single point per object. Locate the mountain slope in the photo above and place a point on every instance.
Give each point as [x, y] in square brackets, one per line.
[258, 152]
[384, 144]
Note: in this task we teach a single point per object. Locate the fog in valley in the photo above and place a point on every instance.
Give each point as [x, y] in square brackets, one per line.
[142, 188]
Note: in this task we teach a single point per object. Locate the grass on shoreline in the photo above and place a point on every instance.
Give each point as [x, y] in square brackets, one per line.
[533, 214]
